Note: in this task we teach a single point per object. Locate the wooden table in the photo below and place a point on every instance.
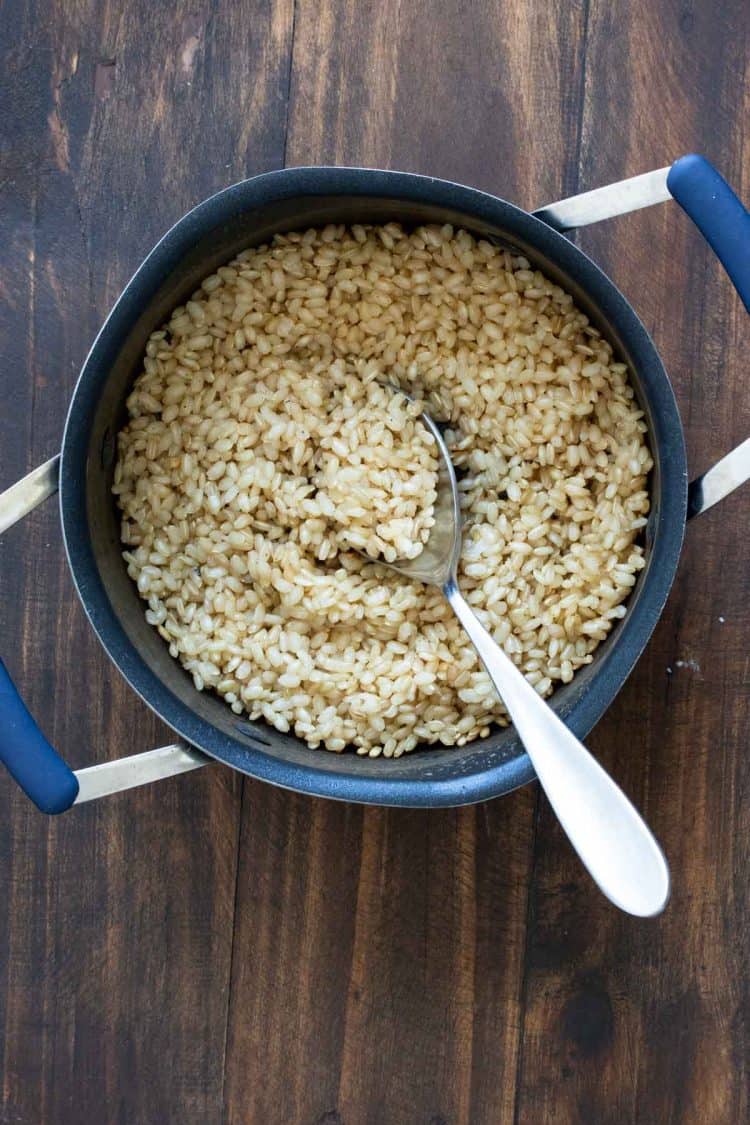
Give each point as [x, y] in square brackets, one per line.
[212, 949]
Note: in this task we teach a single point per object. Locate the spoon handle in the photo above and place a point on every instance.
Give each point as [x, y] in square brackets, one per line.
[611, 838]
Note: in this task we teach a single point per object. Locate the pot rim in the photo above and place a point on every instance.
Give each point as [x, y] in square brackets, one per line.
[456, 787]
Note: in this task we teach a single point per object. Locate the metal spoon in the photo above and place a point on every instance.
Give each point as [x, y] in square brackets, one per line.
[611, 838]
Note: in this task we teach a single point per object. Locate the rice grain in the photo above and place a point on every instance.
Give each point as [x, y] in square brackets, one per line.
[261, 450]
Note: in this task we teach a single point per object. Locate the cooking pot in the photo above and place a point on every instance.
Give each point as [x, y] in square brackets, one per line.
[250, 213]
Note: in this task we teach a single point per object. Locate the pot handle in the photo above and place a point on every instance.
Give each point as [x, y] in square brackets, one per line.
[723, 221]
[29, 758]
[707, 198]
[40, 771]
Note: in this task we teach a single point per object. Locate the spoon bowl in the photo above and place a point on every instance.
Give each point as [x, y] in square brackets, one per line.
[437, 562]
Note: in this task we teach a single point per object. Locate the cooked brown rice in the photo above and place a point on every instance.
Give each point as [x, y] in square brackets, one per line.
[261, 448]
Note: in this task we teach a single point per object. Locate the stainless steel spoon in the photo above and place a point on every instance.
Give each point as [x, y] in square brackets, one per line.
[610, 837]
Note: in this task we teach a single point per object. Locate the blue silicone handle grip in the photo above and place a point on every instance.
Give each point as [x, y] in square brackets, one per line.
[38, 769]
[719, 215]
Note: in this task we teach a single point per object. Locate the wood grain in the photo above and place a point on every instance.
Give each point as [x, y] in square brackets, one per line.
[116, 936]
[627, 1021]
[208, 950]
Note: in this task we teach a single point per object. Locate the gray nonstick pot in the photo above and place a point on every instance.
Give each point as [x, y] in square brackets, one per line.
[250, 213]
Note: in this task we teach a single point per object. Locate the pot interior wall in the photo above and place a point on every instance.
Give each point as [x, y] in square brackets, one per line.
[120, 362]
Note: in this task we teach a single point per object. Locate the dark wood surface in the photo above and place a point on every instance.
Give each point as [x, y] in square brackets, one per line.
[212, 949]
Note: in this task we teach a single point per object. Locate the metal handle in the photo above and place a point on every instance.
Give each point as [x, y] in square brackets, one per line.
[607, 202]
[29, 492]
[724, 222]
[28, 756]
[611, 838]
[138, 769]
